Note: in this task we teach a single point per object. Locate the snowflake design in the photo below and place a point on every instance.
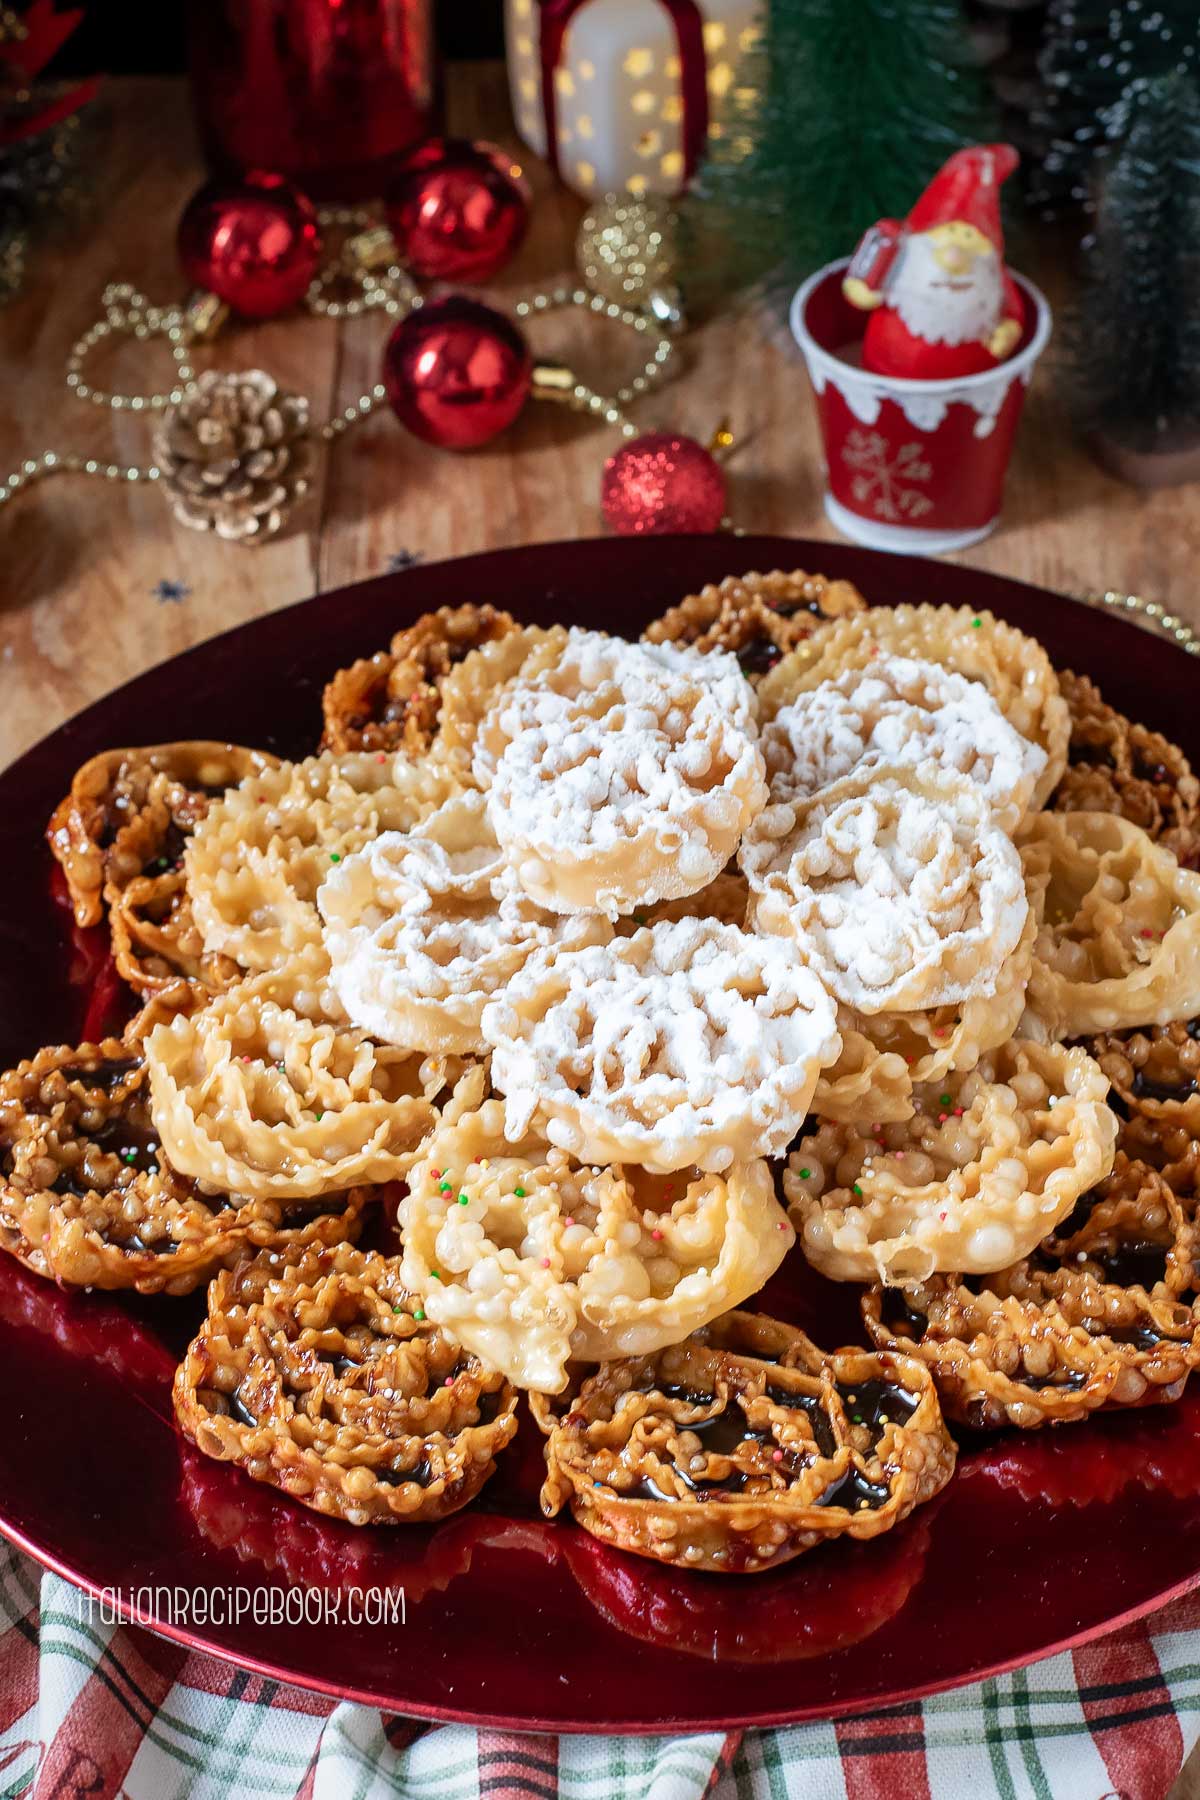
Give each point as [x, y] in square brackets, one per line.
[174, 591]
[403, 559]
[884, 481]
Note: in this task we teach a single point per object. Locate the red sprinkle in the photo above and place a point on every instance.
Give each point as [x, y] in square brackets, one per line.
[657, 1236]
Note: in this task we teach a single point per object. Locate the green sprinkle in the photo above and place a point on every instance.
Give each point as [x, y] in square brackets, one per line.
[334, 856]
[975, 624]
[463, 1200]
[435, 1274]
[397, 1309]
[858, 1190]
[804, 1174]
[943, 1099]
[444, 1188]
[318, 1117]
[519, 1192]
[419, 1316]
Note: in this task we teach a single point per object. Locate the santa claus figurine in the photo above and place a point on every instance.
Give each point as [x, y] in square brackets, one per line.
[942, 303]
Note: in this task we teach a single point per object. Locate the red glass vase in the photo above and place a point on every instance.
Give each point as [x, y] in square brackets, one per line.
[331, 93]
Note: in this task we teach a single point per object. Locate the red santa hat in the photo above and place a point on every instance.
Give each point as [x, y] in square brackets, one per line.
[966, 187]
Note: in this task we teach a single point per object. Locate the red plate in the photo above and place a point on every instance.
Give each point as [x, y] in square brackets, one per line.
[1039, 1542]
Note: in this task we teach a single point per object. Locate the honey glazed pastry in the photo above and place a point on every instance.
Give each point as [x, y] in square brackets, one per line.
[1117, 765]
[1155, 1072]
[110, 791]
[758, 618]
[712, 1458]
[393, 700]
[320, 1374]
[88, 1199]
[1099, 1316]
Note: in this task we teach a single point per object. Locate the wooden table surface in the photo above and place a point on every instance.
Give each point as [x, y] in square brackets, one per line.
[81, 563]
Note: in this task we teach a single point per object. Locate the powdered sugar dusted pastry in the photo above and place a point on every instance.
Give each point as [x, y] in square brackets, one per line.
[423, 928]
[473, 688]
[901, 710]
[257, 1100]
[898, 886]
[1014, 668]
[530, 1258]
[1119, 938]
[689, 1044]
[985, 1168]
[619, 780]
[254, 866]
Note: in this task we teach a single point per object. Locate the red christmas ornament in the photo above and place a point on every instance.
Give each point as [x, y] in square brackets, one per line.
[457, 210]
[662, 482]
[254, 243]
[456, 372]
[941, 301]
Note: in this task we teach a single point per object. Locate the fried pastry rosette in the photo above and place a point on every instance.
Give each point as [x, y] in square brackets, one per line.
[1099, 1316]
[109, 791]
[423, 929]
[1118, 943]
[157, 945]
[253, 1097]
[392, 700]
[1117, 765]
[620, 780]
[88, 1198]
[321, 1375]
[254, 867]
[476, 685]
[759, 618]
[898, 887]
[864, 1082]
[987, 1165]
[688, 1045]
[532, 1259]
[899, 710]
[1014, 668]
[1155, 1072]
[711, 1458]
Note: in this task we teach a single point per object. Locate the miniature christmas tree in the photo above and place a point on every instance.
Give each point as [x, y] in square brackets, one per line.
[1135, 338]
[1093, 49]
[840, 116]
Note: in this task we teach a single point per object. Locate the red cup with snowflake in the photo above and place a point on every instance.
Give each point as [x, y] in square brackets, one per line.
[911, 465]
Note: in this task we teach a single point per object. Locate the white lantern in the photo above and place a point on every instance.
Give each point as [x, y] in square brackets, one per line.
[622, 87]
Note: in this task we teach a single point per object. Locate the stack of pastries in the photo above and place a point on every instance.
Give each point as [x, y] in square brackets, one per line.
[586, 981]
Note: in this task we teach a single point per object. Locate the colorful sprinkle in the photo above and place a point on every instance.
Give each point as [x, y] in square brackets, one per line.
[657, 1236]
[435, 1174]
[435, 1274]
[777, 1456]
[519, 1192]
[318, 1117]
[444, 1188]
[335, 856]
[975, 624]
[463, 1200]
[944, 1099]
[858, 1190]
[805, 1174]
[418, 1316]
[449, 1381]
[545, 1262]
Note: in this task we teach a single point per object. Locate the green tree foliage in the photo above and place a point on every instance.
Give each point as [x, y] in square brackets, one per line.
[1134, 339]
[1092, 51]
[839, 117]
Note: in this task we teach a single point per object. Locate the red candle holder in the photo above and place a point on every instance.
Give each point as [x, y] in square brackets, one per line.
[330, 93]
[913, 466]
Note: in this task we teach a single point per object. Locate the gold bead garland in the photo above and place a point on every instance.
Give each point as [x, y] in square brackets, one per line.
[366, 261]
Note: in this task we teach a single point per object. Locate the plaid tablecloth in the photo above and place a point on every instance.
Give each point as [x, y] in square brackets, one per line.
[98, 1711]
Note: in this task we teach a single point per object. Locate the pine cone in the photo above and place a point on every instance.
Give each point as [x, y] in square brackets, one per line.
[235, 455]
